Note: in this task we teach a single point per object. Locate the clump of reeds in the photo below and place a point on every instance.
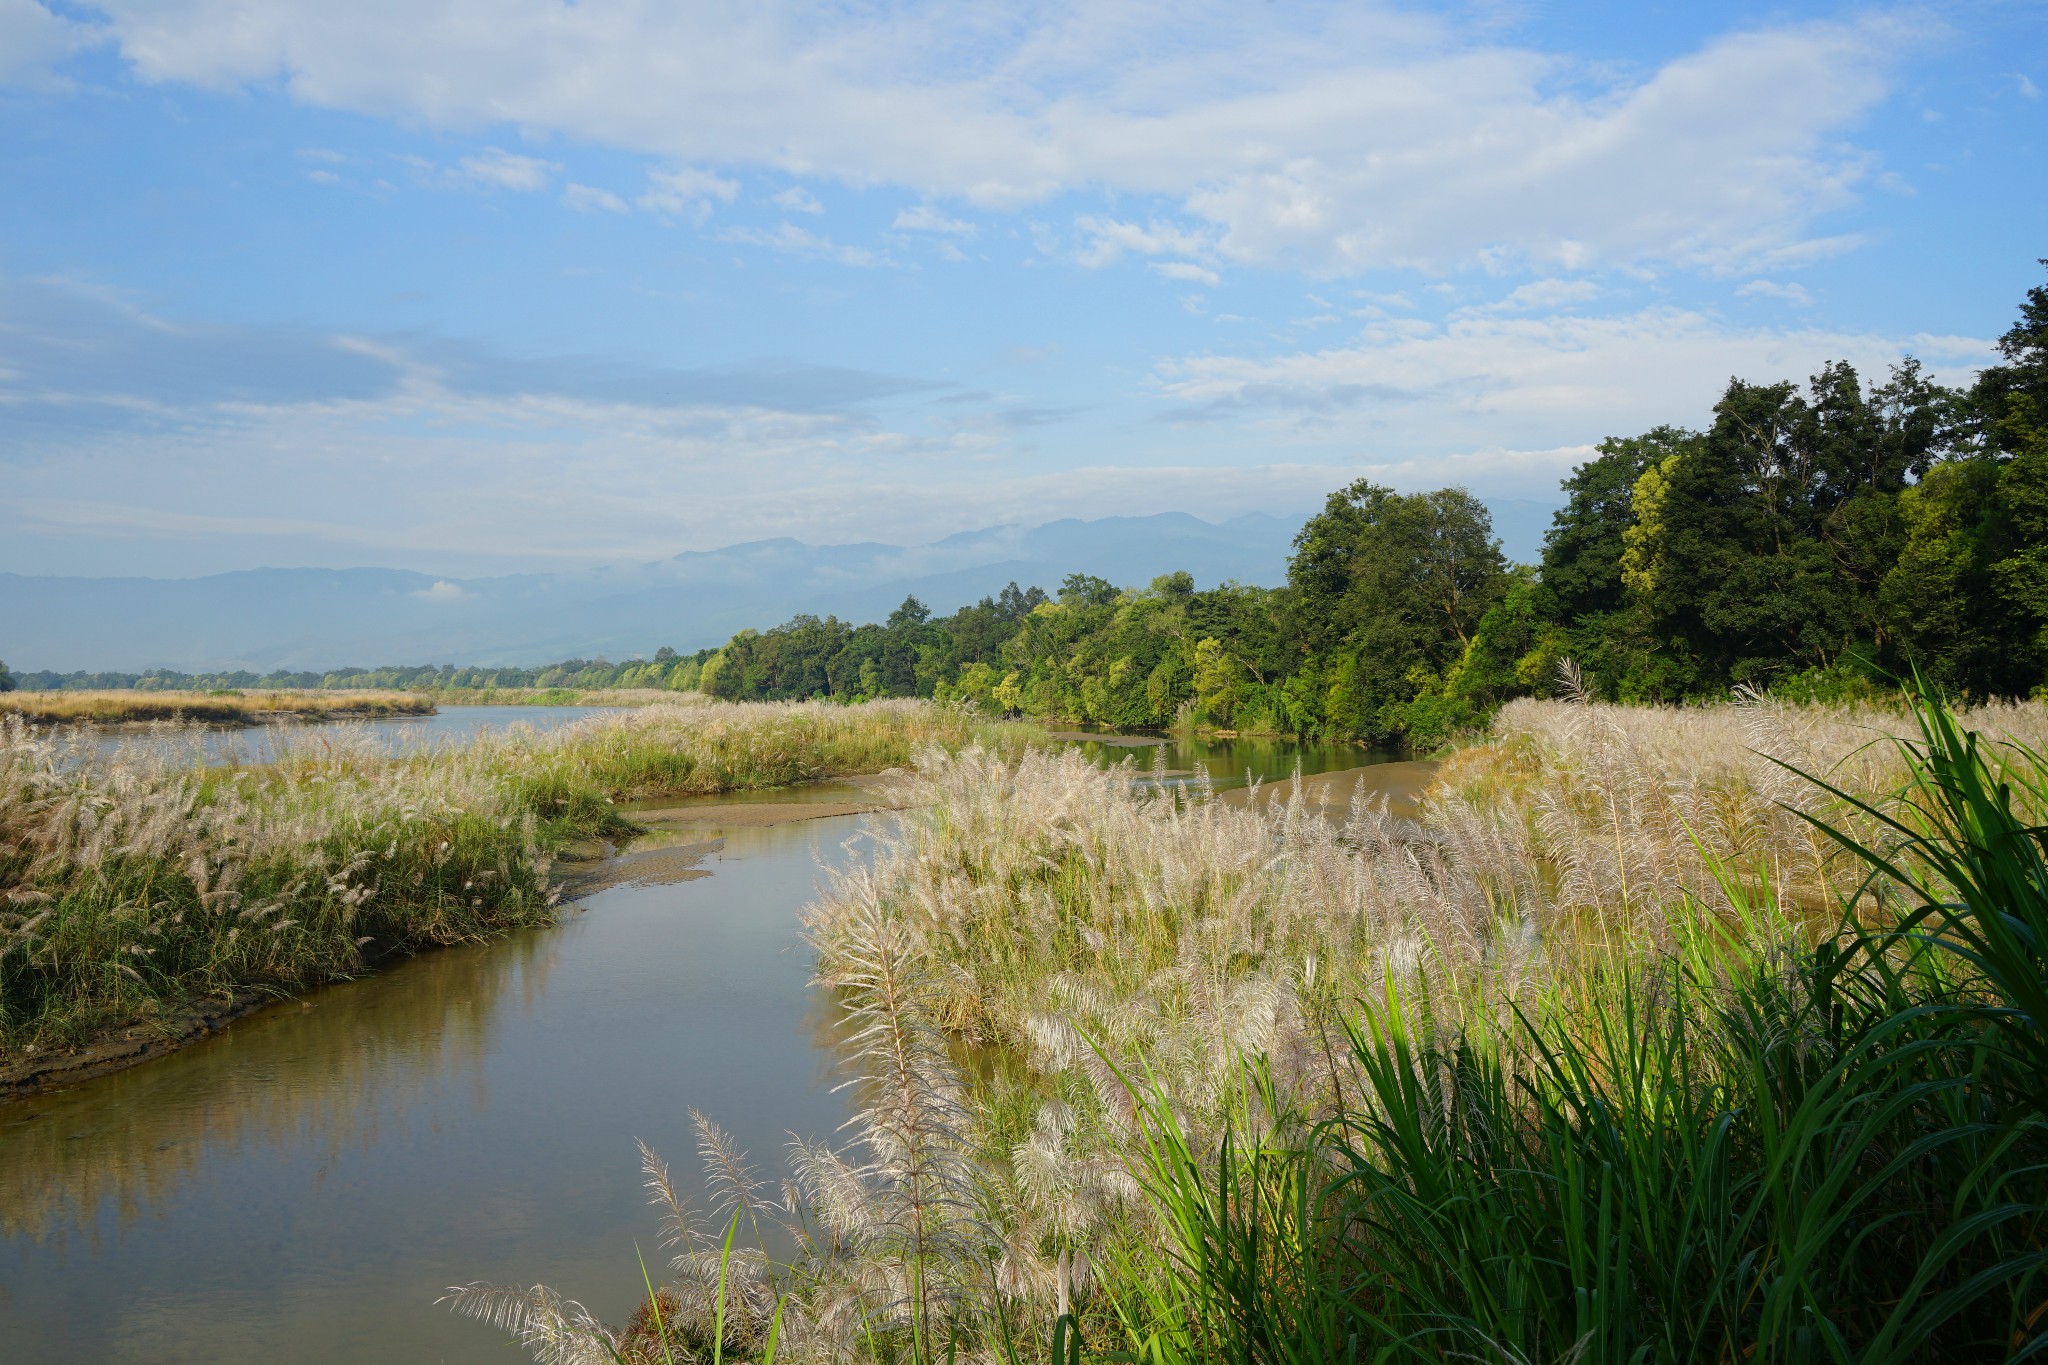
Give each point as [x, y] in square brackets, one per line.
[131, 882]
[1664, 1035]
[225, 707]
[1756, 1147]
[560, 696]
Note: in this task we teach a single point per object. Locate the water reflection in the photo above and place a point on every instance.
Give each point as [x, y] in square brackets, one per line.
[325, 1071]
[1230, 762]
[302, 1186]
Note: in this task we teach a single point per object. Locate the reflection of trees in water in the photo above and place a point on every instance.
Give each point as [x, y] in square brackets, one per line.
[333, 1073]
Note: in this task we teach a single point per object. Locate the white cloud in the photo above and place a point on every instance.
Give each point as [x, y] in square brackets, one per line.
[505, 170]
[323, 177]
[2026, 87]
[1771, 289]
[442, 591]
[1333, 138]
[1485, 381]
[1109, 239]
[1542, 294]
[797, 199]
[795, 240]
[685, 192]
[32, 39]
[925, 218]
[590, 199]
[1185, 270]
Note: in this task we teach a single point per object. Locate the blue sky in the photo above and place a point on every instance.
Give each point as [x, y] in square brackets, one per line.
[475, 286]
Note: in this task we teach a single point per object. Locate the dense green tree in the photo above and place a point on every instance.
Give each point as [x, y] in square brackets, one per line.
[1386, 592]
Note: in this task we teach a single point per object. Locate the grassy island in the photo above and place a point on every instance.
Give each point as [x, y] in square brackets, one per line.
[132, 885]
[222, 706]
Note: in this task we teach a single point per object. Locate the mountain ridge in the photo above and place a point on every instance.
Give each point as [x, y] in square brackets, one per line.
[317, 619]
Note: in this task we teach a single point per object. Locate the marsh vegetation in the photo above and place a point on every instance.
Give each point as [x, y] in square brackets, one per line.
[133, 882]
[1662, 1035]
[220, 706]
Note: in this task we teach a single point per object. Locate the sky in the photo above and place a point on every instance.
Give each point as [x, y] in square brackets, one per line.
[484, 286]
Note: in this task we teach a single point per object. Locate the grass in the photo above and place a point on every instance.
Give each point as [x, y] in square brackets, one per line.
[1709, 1035]
[131, 883]
[558, 696]
[223, 707]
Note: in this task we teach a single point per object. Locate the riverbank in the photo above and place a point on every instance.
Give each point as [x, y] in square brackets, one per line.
[558, 696]
[134, 891]
[1274, 1083]
[208, 708]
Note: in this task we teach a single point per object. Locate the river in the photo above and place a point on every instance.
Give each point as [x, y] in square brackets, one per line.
[212, 744]
[302, 1186]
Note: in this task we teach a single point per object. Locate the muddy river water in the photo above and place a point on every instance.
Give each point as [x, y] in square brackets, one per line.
[301, 1186]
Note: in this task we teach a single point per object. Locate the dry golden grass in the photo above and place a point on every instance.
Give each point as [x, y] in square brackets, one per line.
[132, 880]
[1090, 930]
[561, 696]
[215, 708]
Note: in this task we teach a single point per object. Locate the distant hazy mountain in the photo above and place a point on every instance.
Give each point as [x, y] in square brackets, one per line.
[328, 618]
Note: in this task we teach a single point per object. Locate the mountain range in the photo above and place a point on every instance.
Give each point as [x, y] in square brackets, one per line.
[262, 619]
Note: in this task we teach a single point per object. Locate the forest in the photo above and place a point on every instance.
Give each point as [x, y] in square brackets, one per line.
[667, 669]
[1818, 542]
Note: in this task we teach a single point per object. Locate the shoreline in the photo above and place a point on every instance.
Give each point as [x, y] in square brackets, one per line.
[674, 837]
[650, 856]
[122, 710]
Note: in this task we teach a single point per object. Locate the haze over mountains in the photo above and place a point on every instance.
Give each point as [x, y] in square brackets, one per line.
[265, 619]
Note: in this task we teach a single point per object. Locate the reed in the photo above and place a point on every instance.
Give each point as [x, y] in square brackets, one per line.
[558, 696]
[134, 882]
[1664, 1035]
[225, 707]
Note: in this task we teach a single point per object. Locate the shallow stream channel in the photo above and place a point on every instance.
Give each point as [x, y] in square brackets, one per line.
[302, 1185]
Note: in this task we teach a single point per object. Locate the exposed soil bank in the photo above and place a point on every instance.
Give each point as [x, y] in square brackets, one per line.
[125, 1046]
[672, 851]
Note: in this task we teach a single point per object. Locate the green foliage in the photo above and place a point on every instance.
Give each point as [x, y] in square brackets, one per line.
[1747, 1151]
[667, 670]
[7, 679]
[130, 887]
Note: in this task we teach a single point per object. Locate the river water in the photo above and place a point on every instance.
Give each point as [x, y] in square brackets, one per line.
[302, 1186]
[392, 735]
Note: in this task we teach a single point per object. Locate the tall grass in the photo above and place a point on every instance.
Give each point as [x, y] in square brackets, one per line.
[131, 883]
[225, 707]
[1749, 1150]
[1643, 1045]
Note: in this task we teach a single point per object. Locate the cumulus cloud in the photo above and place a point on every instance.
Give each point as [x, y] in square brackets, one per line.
[441, 591]
[686, 192]
[78, 362]
[1486, 381]
[32, 39]
[1109, 239]
[1186, 270]
[800, 242]
[500, 169]
[797, 199]
[590, 199]
[925, 218]
[1771, 289]
[1337, 138]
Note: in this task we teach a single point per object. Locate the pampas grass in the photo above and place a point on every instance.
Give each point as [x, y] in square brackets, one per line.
[135, 881]
[1611, 1055]
[224, 707]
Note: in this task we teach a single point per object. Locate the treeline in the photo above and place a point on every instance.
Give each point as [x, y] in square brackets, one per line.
[1817, 541]
[666, 670]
